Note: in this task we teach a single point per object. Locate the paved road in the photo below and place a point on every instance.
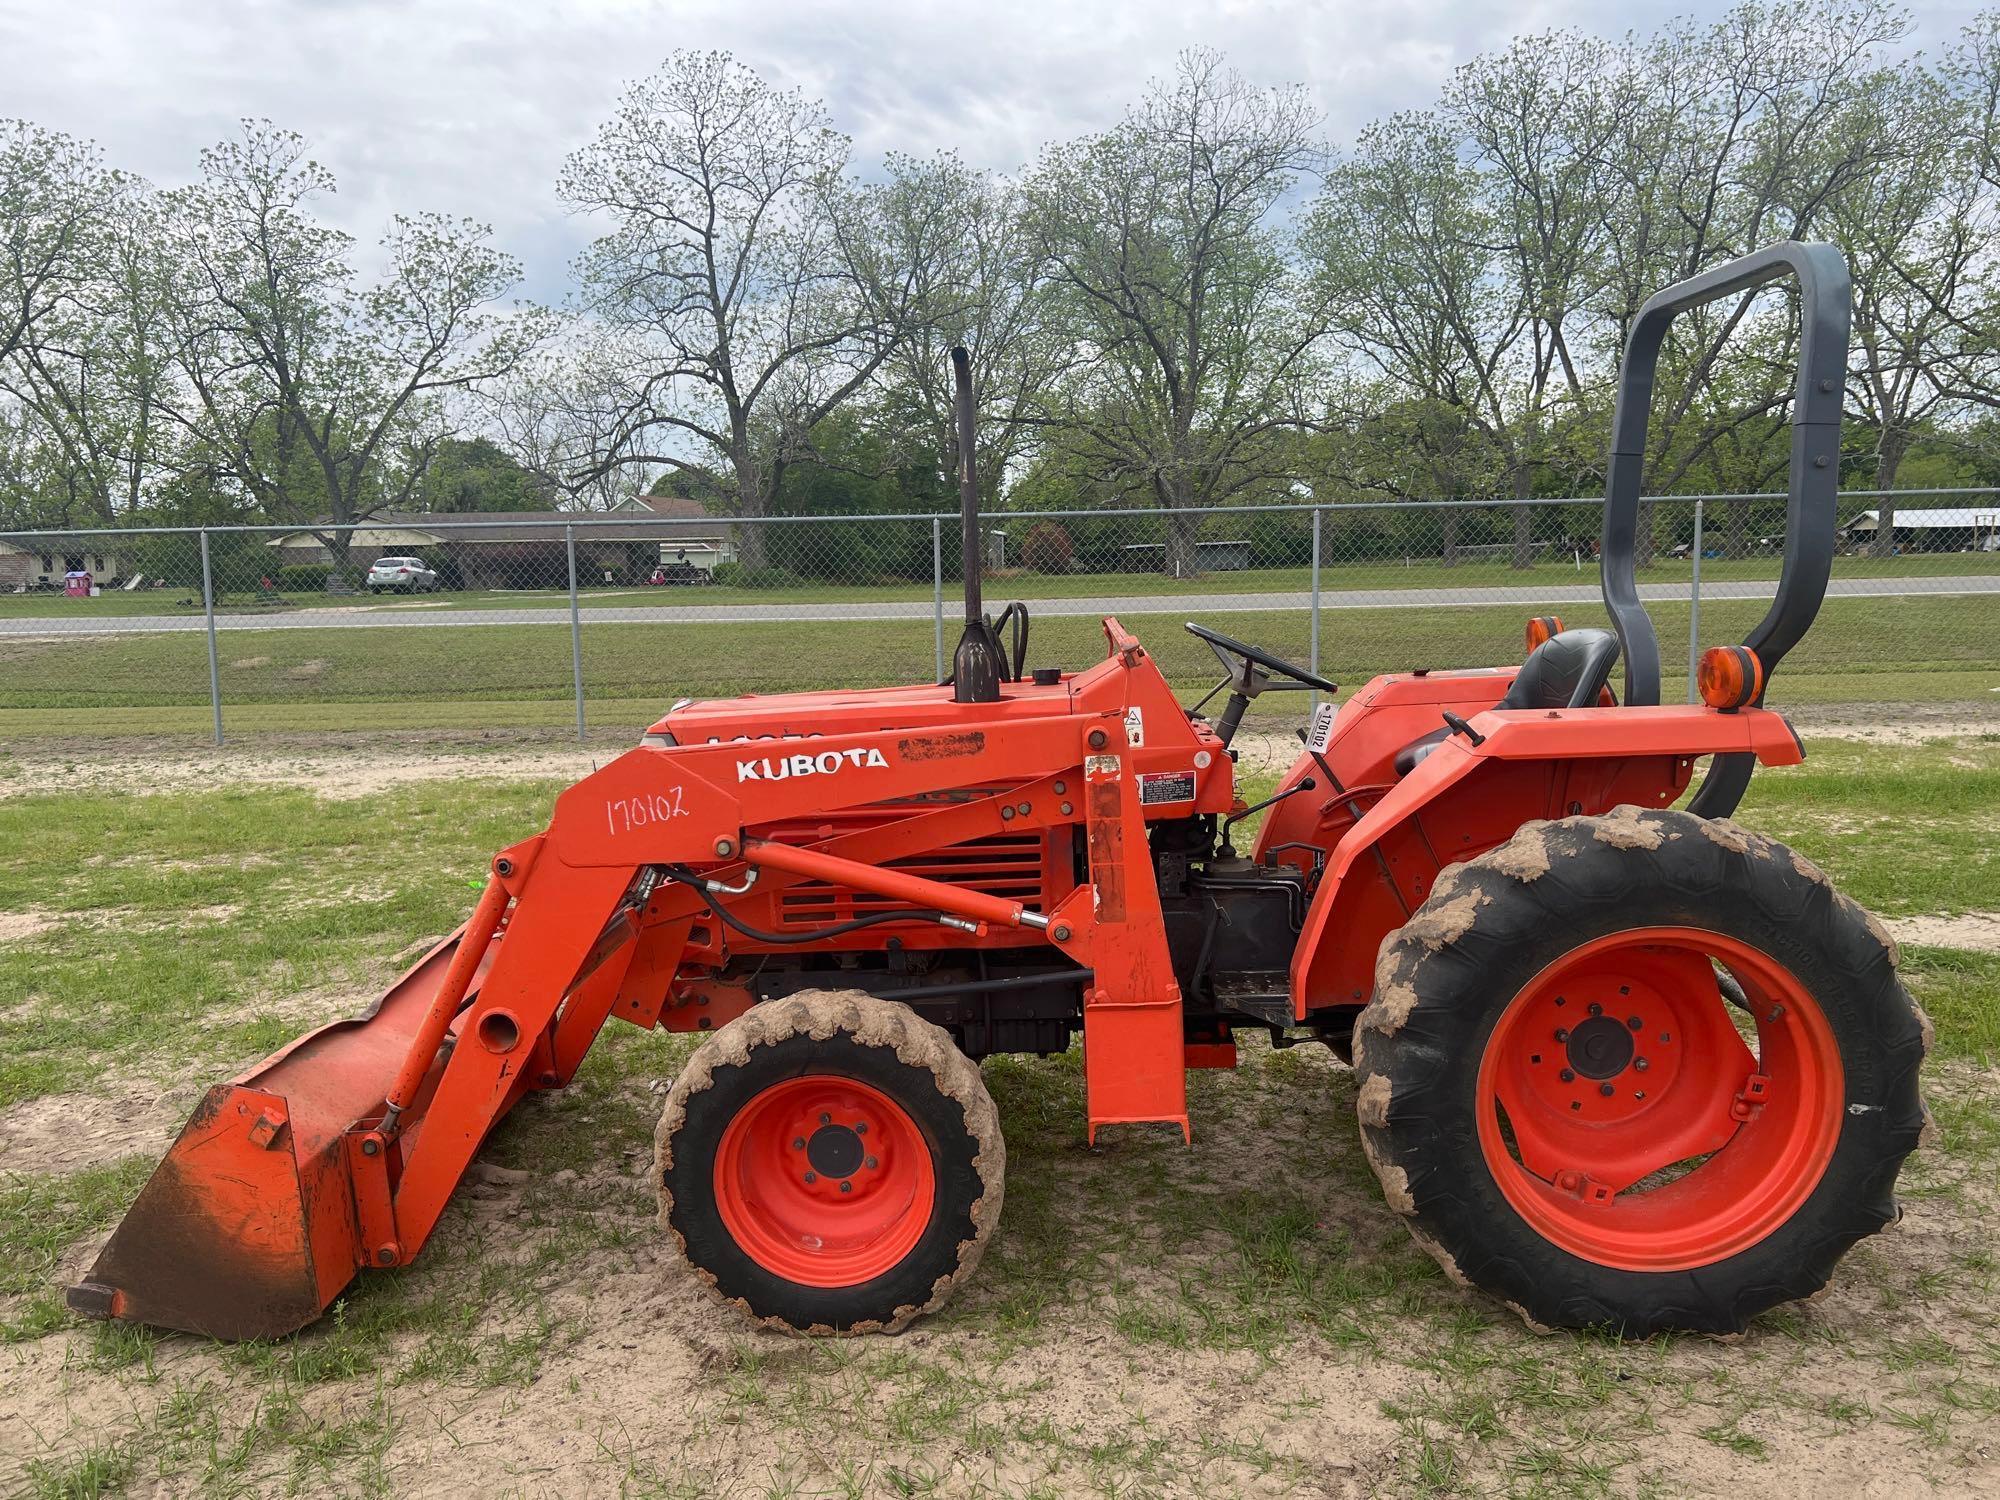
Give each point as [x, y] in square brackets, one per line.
[361, 616]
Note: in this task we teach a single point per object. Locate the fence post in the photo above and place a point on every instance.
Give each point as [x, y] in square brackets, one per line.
[937, 593]
[1694, 609]
[208, 610]
[1315, 602]
[575, 629]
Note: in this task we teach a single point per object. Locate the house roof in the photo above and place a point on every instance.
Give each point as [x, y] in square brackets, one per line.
[486, 528]
[60, 541]
[1934, 519]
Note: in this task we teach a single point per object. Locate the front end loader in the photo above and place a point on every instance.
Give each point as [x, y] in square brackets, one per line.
[1619, 1064]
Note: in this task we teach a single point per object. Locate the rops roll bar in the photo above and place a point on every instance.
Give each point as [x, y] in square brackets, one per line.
[1811, 490]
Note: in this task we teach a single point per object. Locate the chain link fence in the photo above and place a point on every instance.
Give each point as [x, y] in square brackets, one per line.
[426, 622]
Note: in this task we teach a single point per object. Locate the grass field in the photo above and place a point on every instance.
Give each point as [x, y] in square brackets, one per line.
[1421, 575]
[1242, 1318]
[1860, 651]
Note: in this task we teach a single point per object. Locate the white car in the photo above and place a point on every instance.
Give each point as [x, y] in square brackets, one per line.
[406, 575]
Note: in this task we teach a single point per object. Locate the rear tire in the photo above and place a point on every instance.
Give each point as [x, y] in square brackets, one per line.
[1553, 1092]
[831, 1163]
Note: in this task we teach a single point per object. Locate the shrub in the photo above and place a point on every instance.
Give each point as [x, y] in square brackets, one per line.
[737, 575]
[1048, 548]
[1280, 539]
[303, 578]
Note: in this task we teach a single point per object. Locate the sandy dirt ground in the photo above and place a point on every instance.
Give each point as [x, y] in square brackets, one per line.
[361, 765]
[644, 1385]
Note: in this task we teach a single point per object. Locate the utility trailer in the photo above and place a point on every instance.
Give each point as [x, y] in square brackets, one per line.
[1619, 1064]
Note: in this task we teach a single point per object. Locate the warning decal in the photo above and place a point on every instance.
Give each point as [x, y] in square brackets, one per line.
[1166, 786]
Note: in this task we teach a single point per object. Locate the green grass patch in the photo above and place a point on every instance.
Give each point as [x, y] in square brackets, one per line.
[1861, 650]
[1903, 829]
[41, 1216]
[1961, 993]
[205, 911]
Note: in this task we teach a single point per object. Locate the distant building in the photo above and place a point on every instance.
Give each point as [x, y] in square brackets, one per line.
[528, 549]
[30, 560]
[1965, 528]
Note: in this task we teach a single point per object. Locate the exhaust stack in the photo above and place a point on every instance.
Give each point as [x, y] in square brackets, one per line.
[978, 664]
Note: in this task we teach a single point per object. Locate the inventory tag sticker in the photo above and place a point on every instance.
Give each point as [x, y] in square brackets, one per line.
[1322, 729]
[1166, 786]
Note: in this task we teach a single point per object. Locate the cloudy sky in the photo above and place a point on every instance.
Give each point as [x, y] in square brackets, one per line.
[468, 106]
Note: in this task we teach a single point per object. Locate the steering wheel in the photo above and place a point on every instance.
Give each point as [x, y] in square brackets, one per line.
[1249, 670]
[1226, 646]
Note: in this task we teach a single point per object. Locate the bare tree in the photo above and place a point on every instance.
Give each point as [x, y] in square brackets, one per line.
[731, 323]
[1728, 137]
[945, 252]
[1918, 239]
[1196, 335]
[324, 398]
[1406, 253]
[55, 196]
[93, 372]
[555, 413]
[1538, 119]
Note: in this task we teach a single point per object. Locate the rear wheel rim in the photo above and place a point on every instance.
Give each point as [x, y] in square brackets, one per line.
[824, 1180]
[1666, 1144]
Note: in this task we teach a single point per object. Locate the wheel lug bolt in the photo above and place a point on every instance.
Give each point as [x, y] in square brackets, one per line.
[870, 1164]
[1635, 1023]
[1568, 1076]
[1562, 1033]
[1596, 1009]
[847, 1187]
[812, 1177]
[861, 1127]
[1665, 1038]
[826, 1119]
[798, 1143]
[1606, 1090]
[1641, 1064]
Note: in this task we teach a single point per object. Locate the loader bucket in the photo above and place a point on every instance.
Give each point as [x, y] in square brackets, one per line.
[249, 1228]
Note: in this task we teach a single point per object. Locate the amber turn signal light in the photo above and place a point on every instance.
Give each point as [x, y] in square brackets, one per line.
[1541, 627]
[1730, 677]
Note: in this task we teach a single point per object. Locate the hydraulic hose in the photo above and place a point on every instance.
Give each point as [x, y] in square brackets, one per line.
[687, 877]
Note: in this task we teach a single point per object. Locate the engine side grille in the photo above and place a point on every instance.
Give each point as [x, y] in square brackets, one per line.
[1034, 868]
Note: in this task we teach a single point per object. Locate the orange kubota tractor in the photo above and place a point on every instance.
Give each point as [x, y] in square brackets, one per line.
[1619, 1064]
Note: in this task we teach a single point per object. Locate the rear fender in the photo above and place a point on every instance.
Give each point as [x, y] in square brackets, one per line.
[1465, 798]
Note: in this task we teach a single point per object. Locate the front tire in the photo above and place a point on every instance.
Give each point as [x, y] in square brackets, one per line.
[831, 1163]
[1554, 1094]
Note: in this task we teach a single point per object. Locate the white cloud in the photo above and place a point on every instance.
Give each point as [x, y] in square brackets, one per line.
[468, 107]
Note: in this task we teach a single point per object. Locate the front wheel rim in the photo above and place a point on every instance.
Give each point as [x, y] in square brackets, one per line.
[824, 1180]
[1626, 1120]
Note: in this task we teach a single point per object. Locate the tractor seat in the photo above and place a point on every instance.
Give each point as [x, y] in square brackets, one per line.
[1569, 670]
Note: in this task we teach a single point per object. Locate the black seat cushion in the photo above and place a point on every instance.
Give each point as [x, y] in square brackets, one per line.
[1566, 671]
[1417, 749]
